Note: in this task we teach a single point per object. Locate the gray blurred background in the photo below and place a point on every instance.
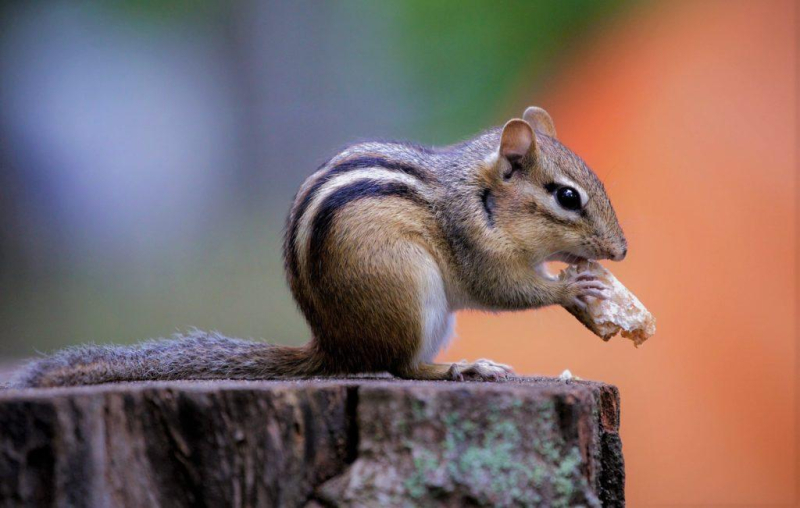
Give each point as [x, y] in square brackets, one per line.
[149, 150]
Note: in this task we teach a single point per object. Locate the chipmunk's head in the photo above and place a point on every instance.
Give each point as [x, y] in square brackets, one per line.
[548, 201]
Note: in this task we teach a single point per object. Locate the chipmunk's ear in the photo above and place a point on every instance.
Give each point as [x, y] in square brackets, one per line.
[517, 140]
[540, 120]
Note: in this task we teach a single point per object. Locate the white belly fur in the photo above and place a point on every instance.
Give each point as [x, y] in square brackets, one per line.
[438, 322]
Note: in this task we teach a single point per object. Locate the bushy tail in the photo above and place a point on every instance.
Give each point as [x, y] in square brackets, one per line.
[197, 355]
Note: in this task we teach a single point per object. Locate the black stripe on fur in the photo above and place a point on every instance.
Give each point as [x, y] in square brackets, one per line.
[340, 198]
[338, 169]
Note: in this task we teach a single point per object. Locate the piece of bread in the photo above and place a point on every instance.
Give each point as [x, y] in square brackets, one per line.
[621, 312]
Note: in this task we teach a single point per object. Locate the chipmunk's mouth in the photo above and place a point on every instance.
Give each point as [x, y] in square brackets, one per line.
[550, 272]
[565, 257]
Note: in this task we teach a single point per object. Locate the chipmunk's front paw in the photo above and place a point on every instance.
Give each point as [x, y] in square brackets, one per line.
[580, 286]
[480, 370]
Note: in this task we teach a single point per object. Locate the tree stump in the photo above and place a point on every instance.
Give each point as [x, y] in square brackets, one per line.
[340, 442]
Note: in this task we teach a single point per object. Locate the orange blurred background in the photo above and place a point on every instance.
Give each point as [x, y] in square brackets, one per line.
[687, 112]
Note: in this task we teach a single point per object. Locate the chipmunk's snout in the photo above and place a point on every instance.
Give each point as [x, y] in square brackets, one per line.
[619, 254]
[607, 247]
[618, 250]
[613, 249]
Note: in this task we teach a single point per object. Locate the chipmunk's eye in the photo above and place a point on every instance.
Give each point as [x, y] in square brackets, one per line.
[568, 198]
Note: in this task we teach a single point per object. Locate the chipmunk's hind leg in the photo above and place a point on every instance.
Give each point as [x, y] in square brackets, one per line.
[429, 372]
[481, 370]
[438, 326]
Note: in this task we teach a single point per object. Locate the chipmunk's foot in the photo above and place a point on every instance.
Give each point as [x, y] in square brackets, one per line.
[480, 370]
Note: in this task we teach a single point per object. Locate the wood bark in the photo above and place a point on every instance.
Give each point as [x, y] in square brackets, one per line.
[347, 442]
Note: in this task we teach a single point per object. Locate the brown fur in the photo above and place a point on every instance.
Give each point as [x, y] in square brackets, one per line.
[370, 276]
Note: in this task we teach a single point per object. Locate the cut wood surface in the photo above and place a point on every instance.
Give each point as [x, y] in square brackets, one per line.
[343, 442]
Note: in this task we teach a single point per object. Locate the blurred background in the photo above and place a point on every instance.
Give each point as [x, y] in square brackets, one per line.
[149, 151]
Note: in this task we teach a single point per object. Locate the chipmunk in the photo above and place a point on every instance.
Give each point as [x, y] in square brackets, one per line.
[383, 244]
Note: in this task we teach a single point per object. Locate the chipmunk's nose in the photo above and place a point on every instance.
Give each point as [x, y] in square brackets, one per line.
[619, 255]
